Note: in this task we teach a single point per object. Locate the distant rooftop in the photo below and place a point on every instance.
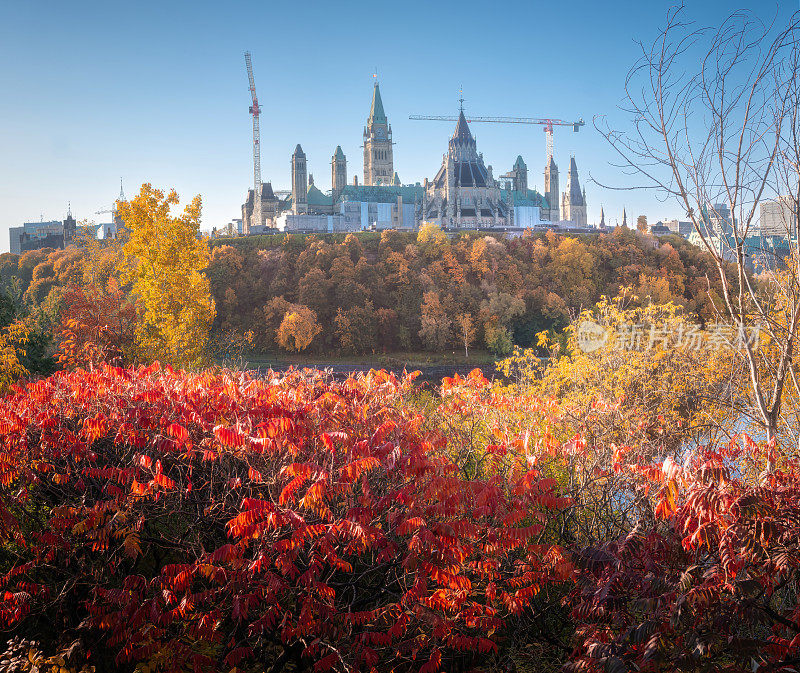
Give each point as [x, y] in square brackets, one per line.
[381, 193]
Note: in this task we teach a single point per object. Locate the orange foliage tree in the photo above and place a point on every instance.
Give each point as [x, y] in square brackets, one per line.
[298, 329]
[97, 325]
[515, 287]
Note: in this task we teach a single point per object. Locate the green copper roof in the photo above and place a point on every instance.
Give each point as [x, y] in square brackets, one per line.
[317, 198]
[529, 198]
[381, 193]
[338, 154]
[519, 163]
[376, 113]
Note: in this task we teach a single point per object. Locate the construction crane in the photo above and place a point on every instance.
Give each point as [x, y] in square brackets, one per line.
[113, 209]
[255, 110]
[547, 123]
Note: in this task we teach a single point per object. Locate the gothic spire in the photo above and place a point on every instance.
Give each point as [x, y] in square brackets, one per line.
[573, 167]
[376, 113]
[576, 196]
[462, 131]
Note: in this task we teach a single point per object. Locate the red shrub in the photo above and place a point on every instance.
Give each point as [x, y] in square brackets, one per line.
[97, 325]
[713, 586]
[199, 521]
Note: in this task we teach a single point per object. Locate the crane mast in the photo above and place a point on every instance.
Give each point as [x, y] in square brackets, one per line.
[547, 123]
[255, 111]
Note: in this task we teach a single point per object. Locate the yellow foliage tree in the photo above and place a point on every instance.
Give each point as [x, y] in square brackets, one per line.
[13, 339]
[164, 258]
[667, 380]
[298, 329]
[431, 240]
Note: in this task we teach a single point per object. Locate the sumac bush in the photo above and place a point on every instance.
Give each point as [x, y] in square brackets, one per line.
[216, 521]
[710, 584]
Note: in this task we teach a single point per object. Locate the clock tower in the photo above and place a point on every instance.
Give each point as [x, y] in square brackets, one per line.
[378, 160]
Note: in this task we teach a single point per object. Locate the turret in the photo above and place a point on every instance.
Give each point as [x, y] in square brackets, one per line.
[69, 226]
[551, 190]
[574, 200]
[338, 172]
[520, 175]
[450, 173]
[299, 181]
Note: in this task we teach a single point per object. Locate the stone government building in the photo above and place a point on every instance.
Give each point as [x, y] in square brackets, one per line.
[464, 194]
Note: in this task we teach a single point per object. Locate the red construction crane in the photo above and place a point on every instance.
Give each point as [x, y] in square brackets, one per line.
[255, 110]
[547, 123]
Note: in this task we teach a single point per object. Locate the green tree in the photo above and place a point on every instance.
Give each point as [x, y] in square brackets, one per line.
[498, 339]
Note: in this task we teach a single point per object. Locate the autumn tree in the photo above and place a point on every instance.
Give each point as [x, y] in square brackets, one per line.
[501, 308]
[641, 223]
[97, 321]
[273, 313]
[431, 239]
[497, 338]
[26, 334]
[356, 328]
[97, 325]
[314, 291]
[715, 118]
[298, 329]
[13, 341]
[527, 284]
[435, 332]
[466, 331]
[666, 377]
[164, 258]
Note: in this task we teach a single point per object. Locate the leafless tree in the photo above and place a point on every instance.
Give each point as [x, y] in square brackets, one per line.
[715, 126]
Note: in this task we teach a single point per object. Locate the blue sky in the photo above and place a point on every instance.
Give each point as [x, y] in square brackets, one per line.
[157, 92]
